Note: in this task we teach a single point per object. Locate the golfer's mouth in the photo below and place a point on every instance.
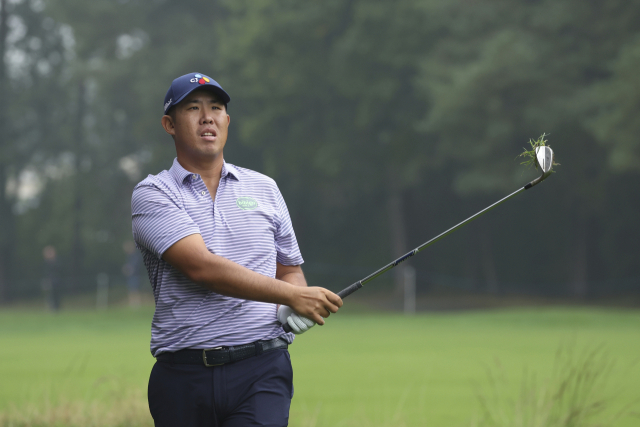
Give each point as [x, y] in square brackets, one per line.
[208, 135]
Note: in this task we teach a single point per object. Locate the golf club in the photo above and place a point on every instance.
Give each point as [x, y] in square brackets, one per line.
[544, 159]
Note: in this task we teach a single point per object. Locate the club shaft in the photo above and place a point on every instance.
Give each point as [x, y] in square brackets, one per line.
[354, 287]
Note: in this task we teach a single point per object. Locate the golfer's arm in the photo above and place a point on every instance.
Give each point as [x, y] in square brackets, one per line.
[291, 274]
[192, 258]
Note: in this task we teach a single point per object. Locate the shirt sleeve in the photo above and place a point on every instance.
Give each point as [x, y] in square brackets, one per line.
[287, 249]
[157, 220]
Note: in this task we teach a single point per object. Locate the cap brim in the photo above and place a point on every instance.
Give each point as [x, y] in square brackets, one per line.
[220, 93]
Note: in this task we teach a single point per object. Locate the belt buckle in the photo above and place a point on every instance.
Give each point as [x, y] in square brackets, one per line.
[204, 356]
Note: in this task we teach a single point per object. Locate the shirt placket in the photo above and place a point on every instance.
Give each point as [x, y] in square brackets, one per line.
[201, 189]
[216, 213]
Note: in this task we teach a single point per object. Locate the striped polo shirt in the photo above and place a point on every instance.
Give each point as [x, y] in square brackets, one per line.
[247, 223]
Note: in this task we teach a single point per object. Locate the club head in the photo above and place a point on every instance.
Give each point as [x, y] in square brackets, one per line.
[544, 158]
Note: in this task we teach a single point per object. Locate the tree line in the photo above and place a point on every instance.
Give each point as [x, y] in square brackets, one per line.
[384, 123]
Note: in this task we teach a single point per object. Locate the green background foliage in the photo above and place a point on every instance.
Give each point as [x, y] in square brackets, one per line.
[382, 122]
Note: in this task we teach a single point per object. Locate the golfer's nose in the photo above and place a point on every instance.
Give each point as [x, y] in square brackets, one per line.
[206, 118]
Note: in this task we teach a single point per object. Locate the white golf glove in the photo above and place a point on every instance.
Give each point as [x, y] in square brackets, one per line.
[299, 324]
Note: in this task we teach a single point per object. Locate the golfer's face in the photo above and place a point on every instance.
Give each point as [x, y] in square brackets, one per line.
[201, 125]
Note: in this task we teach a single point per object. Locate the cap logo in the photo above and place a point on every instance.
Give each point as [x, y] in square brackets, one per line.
[167, 104]
[199, 78]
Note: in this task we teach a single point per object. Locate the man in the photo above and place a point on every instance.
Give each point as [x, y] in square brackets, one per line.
[224, 264]
[131, 271]
[51, 281]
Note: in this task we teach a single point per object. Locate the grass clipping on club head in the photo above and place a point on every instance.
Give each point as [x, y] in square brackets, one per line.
[530, 155]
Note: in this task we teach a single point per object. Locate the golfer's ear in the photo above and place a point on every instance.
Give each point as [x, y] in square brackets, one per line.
[168, 125]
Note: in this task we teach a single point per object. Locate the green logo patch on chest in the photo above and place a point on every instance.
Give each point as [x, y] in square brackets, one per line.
[246, 203]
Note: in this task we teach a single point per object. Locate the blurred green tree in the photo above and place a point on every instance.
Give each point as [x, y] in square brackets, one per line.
[370, 115]
[35, 55]
[514, 70]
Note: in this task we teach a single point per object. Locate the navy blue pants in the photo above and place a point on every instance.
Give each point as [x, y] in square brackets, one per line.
[252, 392]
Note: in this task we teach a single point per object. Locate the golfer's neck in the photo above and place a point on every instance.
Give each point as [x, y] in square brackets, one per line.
[209, 169]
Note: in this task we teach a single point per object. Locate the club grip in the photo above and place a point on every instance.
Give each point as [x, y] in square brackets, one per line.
[342, 294]
[349, 290]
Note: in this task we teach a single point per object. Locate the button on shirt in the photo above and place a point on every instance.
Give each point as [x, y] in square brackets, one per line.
[247, 223]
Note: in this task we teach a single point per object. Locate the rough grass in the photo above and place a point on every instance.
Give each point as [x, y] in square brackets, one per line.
[359, 370]
[127, 410]
[575, 394]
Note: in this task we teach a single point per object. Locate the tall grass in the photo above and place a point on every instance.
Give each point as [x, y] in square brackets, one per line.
[574, 395]
[124, 410]
[132, 411]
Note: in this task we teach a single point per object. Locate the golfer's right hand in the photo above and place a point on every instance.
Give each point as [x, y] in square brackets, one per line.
[314, 303]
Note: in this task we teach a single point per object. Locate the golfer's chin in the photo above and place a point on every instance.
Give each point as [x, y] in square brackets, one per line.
[209, 150]
[198, 150]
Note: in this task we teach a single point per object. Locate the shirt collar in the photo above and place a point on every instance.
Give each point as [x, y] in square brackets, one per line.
[180, 174]
[228, 168]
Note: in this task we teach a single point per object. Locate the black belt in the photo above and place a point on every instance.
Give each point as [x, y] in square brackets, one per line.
[221, 355]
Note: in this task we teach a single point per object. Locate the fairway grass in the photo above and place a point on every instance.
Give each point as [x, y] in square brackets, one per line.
[91, 368]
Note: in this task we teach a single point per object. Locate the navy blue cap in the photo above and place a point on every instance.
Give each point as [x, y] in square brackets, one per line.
[184, 85]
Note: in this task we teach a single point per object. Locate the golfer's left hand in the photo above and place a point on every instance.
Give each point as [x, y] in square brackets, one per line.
[298, 324]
